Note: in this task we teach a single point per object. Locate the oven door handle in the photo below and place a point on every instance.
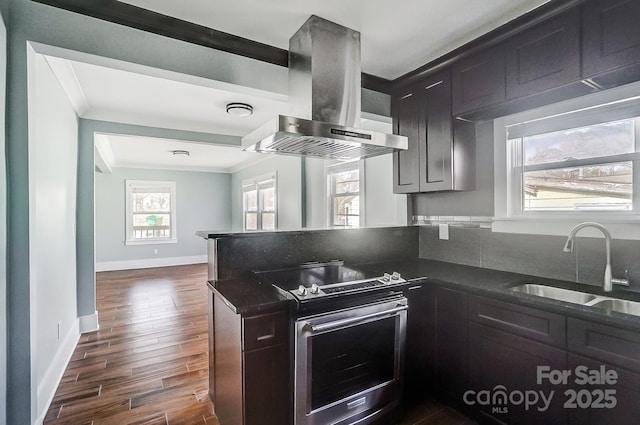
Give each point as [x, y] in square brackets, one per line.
[344, 322]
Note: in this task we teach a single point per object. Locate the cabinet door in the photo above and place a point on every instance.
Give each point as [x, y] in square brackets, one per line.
[544, 57]
[406, 122]
[479, 81]
[627, 394]
[611, 41]
[266, 386]
[420, 354]
[451, 344]
[436, 146]
[498, 358]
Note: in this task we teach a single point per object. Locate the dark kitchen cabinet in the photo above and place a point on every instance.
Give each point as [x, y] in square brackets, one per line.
[441, 149]
[249, 356]
[407, 122]
[544, 57]
[611, 45]
[627, 393]
[505, 350]
[420, 347]
[479, 81]
[451, 344]
[609, 344]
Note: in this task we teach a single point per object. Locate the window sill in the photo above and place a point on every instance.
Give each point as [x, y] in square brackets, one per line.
[151, 242]
[627, 227]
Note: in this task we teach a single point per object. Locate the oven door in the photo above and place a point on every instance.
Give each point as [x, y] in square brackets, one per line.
[349, 363]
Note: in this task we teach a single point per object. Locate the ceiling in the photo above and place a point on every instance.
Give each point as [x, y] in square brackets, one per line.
[398, 36]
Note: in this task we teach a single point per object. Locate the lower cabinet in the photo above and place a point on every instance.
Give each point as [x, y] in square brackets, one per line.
[249, 367]
[595, 404]
[603, 348]
[504, 368]
[485, 357]
[420, 349]
[451, 344]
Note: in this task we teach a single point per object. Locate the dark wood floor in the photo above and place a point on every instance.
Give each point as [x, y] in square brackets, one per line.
[148, 362]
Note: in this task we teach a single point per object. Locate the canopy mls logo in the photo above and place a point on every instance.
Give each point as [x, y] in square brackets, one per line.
[596, 396]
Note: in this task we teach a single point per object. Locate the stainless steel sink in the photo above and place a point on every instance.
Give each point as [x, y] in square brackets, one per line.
[552, 292]
[619, 306]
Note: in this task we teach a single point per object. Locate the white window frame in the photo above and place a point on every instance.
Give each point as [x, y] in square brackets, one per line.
[508, 218]
[333, 168]
[129, 239]
[265, 181]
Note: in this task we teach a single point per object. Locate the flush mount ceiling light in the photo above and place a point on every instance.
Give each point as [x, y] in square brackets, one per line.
[239, 109]
[180, 152]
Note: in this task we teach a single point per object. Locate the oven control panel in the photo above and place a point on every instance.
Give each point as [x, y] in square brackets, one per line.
[315, 291]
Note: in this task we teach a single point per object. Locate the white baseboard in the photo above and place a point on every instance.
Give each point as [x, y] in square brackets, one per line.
[47, 388]
[89, 323]
[149, 263]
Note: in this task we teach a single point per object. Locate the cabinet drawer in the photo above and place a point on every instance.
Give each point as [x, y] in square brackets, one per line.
[265, 330]
[531, 323]
[601, 342]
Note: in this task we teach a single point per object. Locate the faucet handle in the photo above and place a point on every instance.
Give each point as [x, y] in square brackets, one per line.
[622, 282]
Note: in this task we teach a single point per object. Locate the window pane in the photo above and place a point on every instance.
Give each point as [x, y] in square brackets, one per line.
[268, 199]
[151, 202]
[251, 200]
[268, 221]
[251, 221]
[346, 181]
[579, 143]
[346, 211]
[604, 187]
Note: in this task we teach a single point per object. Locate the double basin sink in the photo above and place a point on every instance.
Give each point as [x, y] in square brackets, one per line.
[583, 298]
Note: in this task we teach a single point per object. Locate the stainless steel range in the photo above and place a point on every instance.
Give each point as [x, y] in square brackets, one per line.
[349, 339]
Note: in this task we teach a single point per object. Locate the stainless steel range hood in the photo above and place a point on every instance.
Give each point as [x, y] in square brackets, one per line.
[324, 92]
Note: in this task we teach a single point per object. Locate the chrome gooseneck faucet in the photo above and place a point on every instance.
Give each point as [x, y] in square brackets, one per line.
[609, 281]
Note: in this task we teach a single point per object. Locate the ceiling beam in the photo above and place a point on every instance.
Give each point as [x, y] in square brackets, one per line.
[168, 26]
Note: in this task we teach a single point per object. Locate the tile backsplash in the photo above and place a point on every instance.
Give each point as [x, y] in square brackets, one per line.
[538, 255]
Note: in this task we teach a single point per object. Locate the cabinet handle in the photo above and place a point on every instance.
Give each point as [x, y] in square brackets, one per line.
[434, 84]
[265, 337]
[413, 288]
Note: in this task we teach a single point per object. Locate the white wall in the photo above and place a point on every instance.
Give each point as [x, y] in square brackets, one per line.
[382, 206]
[53, 138]
[289, 190]
[203, 203]
[3, 222]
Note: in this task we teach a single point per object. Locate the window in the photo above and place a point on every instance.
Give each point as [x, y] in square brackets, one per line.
[345, 193]
[586, 168]
[151, 212]
[260, 203]
[575, 160]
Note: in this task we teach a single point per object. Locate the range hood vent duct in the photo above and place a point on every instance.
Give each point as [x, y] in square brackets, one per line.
[324, 92]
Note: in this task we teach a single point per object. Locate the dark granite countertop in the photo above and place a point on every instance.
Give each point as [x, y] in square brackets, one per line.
[248, 296]
[496, 284]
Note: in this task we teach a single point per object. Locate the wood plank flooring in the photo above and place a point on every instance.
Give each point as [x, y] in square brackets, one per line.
[148, 363]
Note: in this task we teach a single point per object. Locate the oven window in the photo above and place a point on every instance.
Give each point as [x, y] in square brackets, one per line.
[347, 361]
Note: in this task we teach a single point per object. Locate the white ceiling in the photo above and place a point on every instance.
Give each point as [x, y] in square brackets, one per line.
[398, 36]
[147, 152]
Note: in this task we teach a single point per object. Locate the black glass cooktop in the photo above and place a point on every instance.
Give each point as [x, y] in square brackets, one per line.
[321, 274]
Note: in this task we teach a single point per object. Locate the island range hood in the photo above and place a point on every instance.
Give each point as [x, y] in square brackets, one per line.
[324, 94]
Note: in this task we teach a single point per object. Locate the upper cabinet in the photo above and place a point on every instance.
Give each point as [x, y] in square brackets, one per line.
[611, 45]
[479, 81]
[440, 155]
[545, 57]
